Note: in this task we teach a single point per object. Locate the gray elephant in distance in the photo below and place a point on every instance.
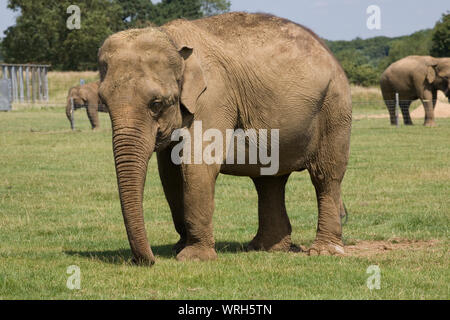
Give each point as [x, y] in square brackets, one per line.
[415, 77]
[262, 73]
[85, 96]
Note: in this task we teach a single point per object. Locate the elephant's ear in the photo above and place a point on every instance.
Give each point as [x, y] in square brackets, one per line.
[193, 83]
[431, 74]
[83, 95]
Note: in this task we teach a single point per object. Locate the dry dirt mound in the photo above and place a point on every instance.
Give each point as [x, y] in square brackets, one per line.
[370, 248]
[442, 110]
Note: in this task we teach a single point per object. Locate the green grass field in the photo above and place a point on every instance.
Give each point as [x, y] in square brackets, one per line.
[59, 207]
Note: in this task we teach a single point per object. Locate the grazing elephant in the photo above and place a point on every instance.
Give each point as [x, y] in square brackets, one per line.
[262, 73]
[415, 77]
[85, 96]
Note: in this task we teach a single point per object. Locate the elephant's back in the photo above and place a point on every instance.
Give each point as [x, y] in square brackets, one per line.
[260, 35]
[257, 30]
[407, 65]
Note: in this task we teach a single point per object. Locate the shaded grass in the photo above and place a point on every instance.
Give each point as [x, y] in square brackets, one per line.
[59, 206]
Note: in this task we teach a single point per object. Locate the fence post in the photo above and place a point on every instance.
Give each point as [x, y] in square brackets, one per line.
[46, 84]
[27, 78]
[5, 72]
[33, 83]
[14, 83]
[39, 82]
[397, 107]
[17, 84]
[21, 82]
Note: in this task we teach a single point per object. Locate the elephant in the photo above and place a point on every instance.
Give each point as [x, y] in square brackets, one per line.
[85, 96]
[264, 72]
[415, 77]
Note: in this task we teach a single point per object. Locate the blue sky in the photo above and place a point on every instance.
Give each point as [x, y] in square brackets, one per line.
[330, 19]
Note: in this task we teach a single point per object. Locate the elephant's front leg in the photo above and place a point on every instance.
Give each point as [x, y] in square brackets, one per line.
[428, 104]
[404, 107]
[172, 183]
[274, 228]
[92, 113]
[198, 203]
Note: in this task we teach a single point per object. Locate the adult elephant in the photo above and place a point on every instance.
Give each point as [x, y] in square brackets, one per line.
[262, 73]
[85, 96]
[415, 77]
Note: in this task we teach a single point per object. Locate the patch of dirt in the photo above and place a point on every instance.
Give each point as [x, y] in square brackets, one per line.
[370, 248]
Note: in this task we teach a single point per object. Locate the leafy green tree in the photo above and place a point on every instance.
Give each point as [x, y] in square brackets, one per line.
[190, 9]
[419, 43]
[168, 10]
[441, 37]
[214, 7]
[41, 35]
[357, 67]
[137, 13]
[1, 54]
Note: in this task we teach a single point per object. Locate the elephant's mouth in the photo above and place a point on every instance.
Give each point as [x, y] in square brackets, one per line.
[163, 140]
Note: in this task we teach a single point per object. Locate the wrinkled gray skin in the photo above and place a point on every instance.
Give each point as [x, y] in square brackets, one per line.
[86, 95]
[415, 77]
[261, 73]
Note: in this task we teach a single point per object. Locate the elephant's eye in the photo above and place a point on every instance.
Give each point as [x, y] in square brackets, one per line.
[156, 105]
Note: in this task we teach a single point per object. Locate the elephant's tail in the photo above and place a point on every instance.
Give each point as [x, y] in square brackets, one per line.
[344, 214]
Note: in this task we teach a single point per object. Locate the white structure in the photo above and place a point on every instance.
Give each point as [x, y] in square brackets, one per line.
[28, 81]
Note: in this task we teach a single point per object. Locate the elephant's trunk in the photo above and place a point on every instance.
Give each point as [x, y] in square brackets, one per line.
[133, 146]
[69, 112]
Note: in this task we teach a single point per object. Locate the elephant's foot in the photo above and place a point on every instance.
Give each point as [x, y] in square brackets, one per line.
[144, 261]
[197, 253]
[325, 248]
[261, 244]
[430, 123]
[180, 245]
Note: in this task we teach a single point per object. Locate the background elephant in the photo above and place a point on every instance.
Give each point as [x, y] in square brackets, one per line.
[85, 96]
[263, 73]
[415, 77]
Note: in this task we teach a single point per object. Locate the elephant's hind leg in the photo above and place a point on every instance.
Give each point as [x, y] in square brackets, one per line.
[274, 230]
[327, 168]
[329, 229]
[390, 104]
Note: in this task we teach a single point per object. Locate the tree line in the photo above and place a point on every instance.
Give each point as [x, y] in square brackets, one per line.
[40, 34]
[365, 60]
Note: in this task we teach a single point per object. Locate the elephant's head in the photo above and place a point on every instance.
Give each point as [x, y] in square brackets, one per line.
[438, 75]
[147, 82]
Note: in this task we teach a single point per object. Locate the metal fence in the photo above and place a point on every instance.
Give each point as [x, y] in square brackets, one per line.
[29, 82]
